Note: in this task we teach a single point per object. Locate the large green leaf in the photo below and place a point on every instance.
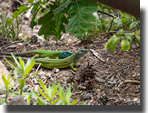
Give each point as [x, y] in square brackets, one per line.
[52, 23]
[59, 18]
[120, 32]
[134, 24]
[137, 39]
[34, 10]
[21, 82]
[125, 45]
[30, 1]
[111, 43]
[130, 36]
[19, 10]
[81, 20]
[47, 23]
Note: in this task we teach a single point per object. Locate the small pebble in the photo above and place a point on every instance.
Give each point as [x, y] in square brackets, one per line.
[103, 51]
[134, 46]
[55, 70]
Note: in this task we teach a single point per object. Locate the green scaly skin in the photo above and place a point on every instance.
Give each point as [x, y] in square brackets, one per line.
[60, 63]
[43, 53]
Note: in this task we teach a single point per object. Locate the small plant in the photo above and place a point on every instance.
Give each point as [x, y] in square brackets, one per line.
[7, 82]
[49, 93]
[22, 69]
[9, 28]
[52, 94]
[65, 97]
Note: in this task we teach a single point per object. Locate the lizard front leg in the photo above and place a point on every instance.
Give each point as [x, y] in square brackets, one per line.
[71, 65]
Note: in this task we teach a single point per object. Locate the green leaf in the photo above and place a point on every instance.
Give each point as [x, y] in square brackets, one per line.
[68, 94]
[47, 24]
[19, 10]
[8, 21]
[15, 73]
[40, 91]
[80, 22]
[58, 16]
[41, 102]
[34, 10]
[134, 24]
[124, 20]
[54, 84]
[11, 79]
[24, 88]
[61, 96]
[130, 38]
[21, 82]
[125, 45]
[53, 92]
[137, 39]
[22, 64]
[73, 102]
[5, 81]
[9, 63]
[28, 97]
[18, 64]
[55, 101]
[34, 94]
[35, 7]
[32, 75]
[120, 32]
[44, 87]
[61, 93]
[83, 103]
[30, 1]
[28, 62]
[28, 68]
[111, 43]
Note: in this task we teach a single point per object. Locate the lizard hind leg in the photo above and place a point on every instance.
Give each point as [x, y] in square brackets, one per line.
[36, 55]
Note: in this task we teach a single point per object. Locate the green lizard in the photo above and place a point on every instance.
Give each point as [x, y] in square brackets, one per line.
[43, 53]
[60, 63]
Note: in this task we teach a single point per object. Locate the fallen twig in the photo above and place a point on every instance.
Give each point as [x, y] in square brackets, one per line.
[133, 94]
[38, 67]
[19, 2]
[132, 81]
[95, 53]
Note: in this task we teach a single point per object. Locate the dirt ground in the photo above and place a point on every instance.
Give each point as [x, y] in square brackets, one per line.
[112, 80]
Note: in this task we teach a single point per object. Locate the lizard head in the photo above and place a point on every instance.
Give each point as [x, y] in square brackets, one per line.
[80, 53]
[65, 54]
